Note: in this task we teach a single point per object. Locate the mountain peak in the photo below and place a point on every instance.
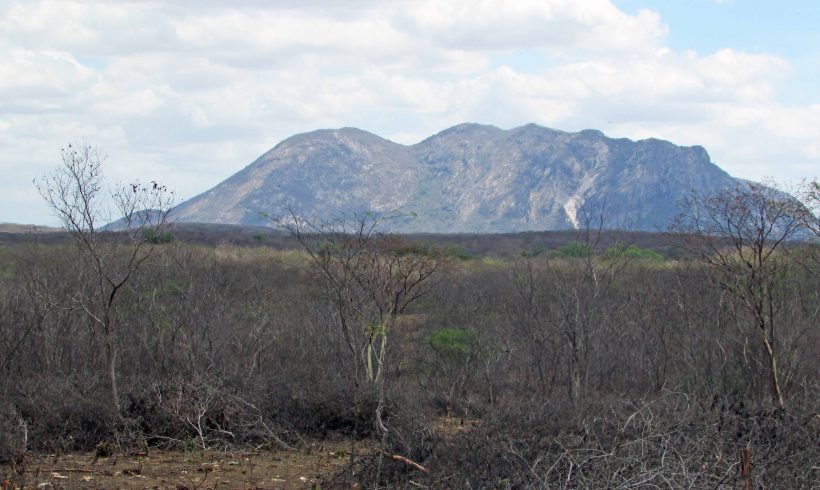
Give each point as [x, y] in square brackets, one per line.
[337, 134]
[592, 133]
[466, 129]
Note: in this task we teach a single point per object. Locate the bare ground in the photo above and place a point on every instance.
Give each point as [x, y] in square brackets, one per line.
[180, 470]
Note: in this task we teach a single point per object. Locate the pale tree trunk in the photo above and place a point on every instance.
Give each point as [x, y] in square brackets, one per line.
[777, 394]
[111, 355]
[576, 383]
[382, 351]
[368, 358]
[765, 323]
[576, 375]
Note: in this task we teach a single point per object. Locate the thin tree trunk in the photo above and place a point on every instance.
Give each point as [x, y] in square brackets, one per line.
[777, 394]
[111, 354]
[369, 361]
[746, 469]
[575, 384]
[382, 350]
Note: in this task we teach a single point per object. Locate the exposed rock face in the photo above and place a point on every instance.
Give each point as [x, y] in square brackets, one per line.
[469, 178]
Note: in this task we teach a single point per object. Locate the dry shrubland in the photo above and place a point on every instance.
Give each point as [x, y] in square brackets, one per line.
[548, 370]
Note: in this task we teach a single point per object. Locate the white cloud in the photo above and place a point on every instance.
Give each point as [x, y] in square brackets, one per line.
[189, 92]
[36, 81]
[498, 25]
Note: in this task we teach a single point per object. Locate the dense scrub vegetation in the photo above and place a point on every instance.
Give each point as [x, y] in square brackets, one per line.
[574, 366]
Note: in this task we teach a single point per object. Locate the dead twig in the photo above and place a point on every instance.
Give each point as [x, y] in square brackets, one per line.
[409, 462]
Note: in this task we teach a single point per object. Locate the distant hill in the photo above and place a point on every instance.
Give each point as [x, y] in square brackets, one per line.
[147, 217]
[467, 179]
[20, 228]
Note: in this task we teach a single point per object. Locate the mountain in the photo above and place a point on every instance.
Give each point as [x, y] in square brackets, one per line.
[469, 178]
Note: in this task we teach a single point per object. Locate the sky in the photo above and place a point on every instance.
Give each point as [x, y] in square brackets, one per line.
[189, 92]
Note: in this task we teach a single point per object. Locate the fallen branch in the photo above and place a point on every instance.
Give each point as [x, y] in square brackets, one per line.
[402, 459]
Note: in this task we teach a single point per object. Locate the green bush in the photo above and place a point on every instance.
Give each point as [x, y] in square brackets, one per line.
[573, 250]
[156, 237]
[452, 343]
[460, 253]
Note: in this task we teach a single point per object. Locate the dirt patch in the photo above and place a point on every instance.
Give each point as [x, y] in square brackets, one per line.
[449, 427]
[179, 470]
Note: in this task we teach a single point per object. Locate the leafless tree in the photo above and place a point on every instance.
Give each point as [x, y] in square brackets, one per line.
[370, 278]
[740, 235]
[76, 195]
[809, 194]
[563, 302]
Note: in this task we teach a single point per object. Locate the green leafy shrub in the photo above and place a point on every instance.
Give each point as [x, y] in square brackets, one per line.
[460, 253]
[573, 250]
[156, 237]
[452, 343]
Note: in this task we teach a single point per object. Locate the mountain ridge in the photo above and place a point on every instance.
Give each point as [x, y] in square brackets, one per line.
[466, 178]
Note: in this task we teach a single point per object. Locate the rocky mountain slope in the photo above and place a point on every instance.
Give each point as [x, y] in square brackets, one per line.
[469, 178]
